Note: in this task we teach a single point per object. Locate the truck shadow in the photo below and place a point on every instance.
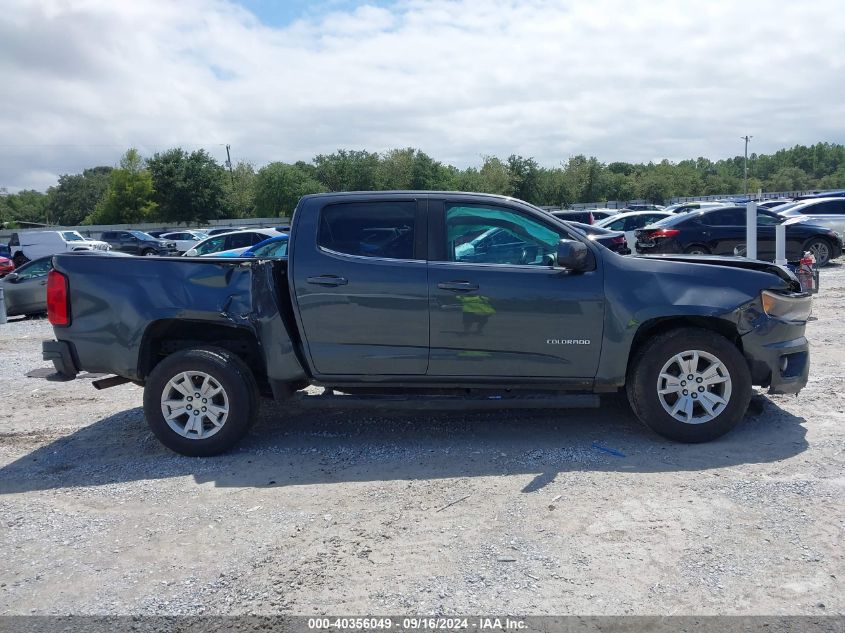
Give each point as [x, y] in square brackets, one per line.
[326, 447]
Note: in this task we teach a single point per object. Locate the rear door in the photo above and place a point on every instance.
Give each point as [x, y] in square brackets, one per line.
[724, 230]
[360, 284]
[499, 307]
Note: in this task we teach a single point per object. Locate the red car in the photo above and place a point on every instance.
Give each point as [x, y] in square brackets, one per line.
[6, 266]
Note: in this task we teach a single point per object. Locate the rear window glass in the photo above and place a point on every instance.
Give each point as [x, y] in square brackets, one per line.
[369, 229]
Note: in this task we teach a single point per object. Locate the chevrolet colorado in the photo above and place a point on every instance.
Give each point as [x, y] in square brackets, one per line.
[390, 299]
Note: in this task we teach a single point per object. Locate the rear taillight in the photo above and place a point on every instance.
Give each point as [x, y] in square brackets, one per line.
[664, 233]
[58, 299]
[618, 240]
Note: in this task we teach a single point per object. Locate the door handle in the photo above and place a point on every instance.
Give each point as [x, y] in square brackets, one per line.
[327, 280]
[460, 286]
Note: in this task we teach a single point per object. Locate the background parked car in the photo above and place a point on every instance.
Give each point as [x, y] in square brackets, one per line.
[216, 244]
[6, 266]
[721, 231]
[828, 212]
[273, 247]
[643, 207]
[139, 243]
[771, 204]
[584, 216]
[223, 229]
[683, 207]
[827, 194]
[25, 290]
[613, 240]
[185, 240]
[31, 245]
[629, 222]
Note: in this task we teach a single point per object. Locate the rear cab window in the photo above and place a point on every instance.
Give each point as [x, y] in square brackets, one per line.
[382, 229]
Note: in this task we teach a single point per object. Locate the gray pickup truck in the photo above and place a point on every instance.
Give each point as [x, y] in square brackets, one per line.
[427, 299]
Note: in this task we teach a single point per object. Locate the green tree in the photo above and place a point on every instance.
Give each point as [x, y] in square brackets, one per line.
[279, 186]
[27, 205]
[76, 196]
[347, 170]
[189, 187]
[524, 176]
[789, 179]
[495, 177]
[239, 187]
[130, 195]
[836, 180]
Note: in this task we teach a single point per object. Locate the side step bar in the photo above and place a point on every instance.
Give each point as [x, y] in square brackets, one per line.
[449, 403]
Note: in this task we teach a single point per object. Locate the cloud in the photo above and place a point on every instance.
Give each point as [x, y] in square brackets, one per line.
[83, 80]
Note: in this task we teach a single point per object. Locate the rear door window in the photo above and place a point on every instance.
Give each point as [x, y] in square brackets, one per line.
[369, 229]
[242, 240]
[828, 207]
[725, 217]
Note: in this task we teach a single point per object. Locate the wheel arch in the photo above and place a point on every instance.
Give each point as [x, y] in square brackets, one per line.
[660, 325]
[166, 336]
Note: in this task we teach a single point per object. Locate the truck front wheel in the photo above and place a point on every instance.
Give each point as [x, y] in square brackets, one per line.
[689, 385]
[201, 401]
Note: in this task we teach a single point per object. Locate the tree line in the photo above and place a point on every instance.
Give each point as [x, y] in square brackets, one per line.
[176, 186]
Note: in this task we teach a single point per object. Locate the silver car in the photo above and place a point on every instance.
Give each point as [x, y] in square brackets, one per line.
[827, 212]
[25, 288]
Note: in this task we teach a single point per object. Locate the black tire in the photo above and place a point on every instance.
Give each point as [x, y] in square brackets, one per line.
[148, 252]
[645, 368]
[239, 387]
[694, 249]
[813, 244]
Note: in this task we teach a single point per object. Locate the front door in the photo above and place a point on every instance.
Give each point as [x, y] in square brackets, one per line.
[28, 293]
[499, 307]
[361, 292]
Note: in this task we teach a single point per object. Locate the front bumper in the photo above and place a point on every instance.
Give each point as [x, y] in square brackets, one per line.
[61, 354]
[778, 362]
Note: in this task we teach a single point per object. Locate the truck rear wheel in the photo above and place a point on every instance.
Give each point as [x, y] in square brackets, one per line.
[689, 385]
[201, 401]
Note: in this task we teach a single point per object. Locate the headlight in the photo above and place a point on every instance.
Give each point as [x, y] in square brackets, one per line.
[786, 307]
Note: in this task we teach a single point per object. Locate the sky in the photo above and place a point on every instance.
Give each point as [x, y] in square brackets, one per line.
[83, 80]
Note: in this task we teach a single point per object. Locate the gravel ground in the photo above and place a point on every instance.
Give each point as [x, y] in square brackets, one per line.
[331, 512]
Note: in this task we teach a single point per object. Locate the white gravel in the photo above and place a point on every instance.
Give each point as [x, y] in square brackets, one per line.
[328, 512]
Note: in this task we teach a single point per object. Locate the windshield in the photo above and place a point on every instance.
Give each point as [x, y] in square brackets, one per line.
[676, 218]
[141, 235]
[786, 206]
[72, 236]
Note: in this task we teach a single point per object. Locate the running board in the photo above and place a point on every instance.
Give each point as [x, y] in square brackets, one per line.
[449, 403]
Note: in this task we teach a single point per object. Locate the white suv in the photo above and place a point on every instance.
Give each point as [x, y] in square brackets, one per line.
[34, 244]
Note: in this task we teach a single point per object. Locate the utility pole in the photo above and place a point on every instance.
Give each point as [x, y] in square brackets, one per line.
[745, 166]
[232, 174]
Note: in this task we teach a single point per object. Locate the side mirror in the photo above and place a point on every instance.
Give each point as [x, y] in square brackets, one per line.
[12, 277]
[192, 252]
[574, 256]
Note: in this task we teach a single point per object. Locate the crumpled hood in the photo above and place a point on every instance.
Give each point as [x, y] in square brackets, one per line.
[731, 262]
